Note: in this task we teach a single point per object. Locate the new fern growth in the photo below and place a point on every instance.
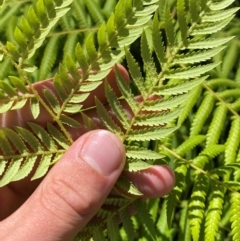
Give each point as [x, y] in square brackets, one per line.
[180, 45]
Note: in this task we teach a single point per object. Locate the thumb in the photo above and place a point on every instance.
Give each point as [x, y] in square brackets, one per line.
[72, 192]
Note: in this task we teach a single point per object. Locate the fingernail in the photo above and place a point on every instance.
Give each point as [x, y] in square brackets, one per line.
[103, 152]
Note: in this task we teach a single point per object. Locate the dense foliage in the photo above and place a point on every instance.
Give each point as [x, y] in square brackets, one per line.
[188, 59]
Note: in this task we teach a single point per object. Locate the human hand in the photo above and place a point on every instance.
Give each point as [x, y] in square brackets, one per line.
[76, 186]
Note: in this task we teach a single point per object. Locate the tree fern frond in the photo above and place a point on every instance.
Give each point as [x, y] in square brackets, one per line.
[35, 107]
[116, 107]
[39, 24]
[235, 221]
[189, 144]
[216, 125]
[127, 225]
[107, 120]
[194, 95]
[229, 59]
[214, 212]
[172, 199]
[179, 88]
[190, 72]
[198, 57]
[215, 6]
[164, 104]
[158, 119]
[144, 215]
[208, 153]
[197, 205]
[148, 134]
[202, 114]
[112, 229]
[25, 169]
[141, 153]
[175, 48]
[49, 57]
[208, 43]
[95, 11]
[232, 143]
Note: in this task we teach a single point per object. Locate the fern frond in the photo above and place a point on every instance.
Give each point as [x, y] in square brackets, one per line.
[214, 212]
[28, 147]
[232, 143]
[49, 57]
[235, 220]
[34, 28]
[216, 125]
[172, 199]
[197, 205]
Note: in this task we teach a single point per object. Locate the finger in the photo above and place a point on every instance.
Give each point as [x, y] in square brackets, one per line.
[72, 192]
[154, 182]
[22, 116]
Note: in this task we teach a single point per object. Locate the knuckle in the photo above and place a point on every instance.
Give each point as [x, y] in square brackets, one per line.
[60, 196]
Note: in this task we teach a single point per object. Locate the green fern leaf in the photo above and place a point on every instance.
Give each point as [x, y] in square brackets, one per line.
[157, 41]
[232, 143]
[141, 153]
[58, 136]
[214, 212]
[190, 73]
[202, 114]
[148, 134]
[135, 72]
[144, 215]
[194, 94]
[189, 144]
[43, 166]
[18, 84]
[165, 104]
[35, 107]
[49, 57]
[157, 119]
[6, 106]
[112, 229]
[172, 199]
[8, 89]
[197, 205]
[235, 220]
[169, 26]
[215, 6]
[25, 169]
[217, 123]
[177, 89]
[211, 28]
[5, 145]
[116, 106]
[81, 58]
[16, 140]
[137, 166]
[52, 100]
[31, 140]
[69, 121]
[219, 15]
[43, 136]
[198, 56]
[126, 189]
[106, 118]
[182, 20]
[208, 43]
[127, 224]
[11, 171]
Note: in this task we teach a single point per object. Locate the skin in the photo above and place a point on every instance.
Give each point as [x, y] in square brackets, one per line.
[58, 206]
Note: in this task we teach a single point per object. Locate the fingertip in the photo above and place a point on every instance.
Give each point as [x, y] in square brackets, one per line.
[154, 182]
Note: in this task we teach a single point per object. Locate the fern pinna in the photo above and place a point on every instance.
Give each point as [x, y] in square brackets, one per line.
[178, 40]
